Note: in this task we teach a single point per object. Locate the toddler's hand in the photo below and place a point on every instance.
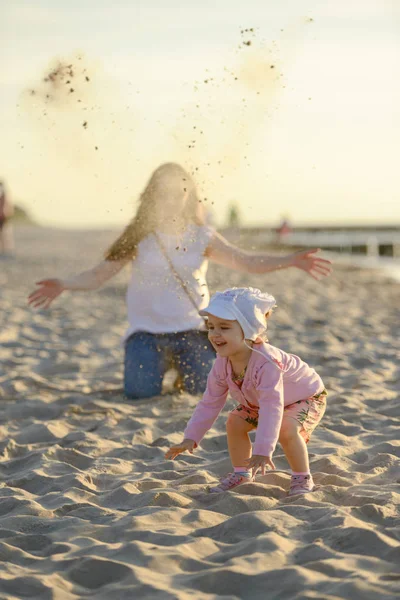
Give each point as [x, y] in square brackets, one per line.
[174, 451]
[257, 461]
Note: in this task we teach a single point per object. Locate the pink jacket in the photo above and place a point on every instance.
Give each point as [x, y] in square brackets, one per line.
[273, 379]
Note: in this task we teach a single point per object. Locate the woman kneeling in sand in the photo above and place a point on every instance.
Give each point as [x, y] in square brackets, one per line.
[279, 395]
[168, 244]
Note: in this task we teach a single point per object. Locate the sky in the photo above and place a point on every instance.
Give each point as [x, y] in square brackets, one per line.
[288, 108]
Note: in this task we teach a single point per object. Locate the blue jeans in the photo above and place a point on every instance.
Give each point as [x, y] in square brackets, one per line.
[149, 355]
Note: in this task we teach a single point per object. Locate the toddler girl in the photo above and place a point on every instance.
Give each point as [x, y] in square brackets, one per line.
[276, 393]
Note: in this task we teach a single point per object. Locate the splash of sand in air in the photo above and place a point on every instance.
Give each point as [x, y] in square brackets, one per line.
[81, 133]
[63, 106]
[219, 128]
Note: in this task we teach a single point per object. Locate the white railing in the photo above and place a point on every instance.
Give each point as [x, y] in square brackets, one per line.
[345, 240]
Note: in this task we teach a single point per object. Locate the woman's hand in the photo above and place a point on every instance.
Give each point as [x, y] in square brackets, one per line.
[49, 290]
[257, 461]
[226, 254]
[311, 264]
[174, 451]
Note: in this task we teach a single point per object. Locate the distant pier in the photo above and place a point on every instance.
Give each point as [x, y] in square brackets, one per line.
[365, 241]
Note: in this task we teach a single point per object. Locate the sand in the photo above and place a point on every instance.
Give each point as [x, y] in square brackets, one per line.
[89, 508]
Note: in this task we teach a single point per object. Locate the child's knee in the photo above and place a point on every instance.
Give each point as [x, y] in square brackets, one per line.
[289, 431]
[235, 424]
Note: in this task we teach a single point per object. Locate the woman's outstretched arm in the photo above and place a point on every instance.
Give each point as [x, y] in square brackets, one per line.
[226, 254]
[91, 279]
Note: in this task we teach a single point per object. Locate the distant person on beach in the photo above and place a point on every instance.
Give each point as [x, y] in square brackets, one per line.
[284, 229]
[6, 212]
[276, 393]
[168, 244]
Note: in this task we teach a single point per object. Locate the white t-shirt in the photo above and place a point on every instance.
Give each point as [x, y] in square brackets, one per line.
[155, 299]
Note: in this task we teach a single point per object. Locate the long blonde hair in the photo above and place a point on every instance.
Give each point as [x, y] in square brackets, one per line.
[146, 219]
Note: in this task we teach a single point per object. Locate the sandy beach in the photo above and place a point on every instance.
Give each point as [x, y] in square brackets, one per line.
[89, 507]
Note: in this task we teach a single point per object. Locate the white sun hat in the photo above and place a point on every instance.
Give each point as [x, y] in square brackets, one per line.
[248, 306]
